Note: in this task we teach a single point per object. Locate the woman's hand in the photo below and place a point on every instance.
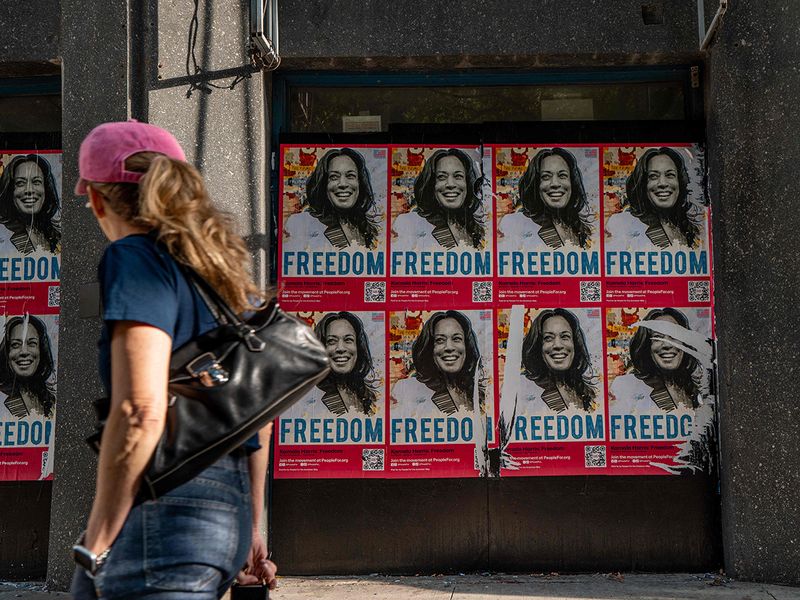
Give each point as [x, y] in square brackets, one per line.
[258, 568]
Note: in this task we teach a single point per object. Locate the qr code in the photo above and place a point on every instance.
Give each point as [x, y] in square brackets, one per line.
[699, 291]
[54, 295]
[374, 291]
[45, 456]
[481, 291]
[372, 459]
[594, 456]
[590, 291]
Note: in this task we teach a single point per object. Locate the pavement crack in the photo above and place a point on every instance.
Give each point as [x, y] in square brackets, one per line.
[453, 593]
[771, 595]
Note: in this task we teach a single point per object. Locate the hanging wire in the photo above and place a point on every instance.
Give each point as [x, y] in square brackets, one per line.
[193, 68]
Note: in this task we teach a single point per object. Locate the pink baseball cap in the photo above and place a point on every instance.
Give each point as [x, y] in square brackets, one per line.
[104, 151]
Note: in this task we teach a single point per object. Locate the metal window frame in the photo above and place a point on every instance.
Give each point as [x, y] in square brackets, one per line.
[46, 85]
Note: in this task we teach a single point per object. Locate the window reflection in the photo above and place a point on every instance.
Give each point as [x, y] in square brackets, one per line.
[320, 109]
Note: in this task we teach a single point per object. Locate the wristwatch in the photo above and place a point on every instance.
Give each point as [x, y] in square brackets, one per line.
[87, 559]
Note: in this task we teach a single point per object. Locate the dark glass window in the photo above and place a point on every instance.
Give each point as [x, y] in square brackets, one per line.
[24, 114]
[323, 109]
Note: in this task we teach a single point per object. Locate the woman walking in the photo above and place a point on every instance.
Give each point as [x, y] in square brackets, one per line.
[155, 210]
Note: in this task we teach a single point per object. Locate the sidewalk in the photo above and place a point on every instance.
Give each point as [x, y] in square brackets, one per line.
[497, 587]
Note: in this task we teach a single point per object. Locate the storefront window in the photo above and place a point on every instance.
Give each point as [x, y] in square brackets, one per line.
[23, 114]
[335, 109]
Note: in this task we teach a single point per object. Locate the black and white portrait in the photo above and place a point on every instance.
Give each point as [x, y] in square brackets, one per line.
[340, 210]
[446, 209]
[354, 387]
[30, 206]
[660, 206]
[27, 368]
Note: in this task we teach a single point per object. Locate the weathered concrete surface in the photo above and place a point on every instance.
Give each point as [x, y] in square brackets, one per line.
[221, 129]
[497, 587]
[531, 587]
[30, 31]
[215, 106]
[546, 28]
[752, 134]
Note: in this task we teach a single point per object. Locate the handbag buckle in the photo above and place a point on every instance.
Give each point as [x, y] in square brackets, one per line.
[207, 369]
[253, 342]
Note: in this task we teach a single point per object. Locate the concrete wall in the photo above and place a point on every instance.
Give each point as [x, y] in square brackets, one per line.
[464, 33]
[30, 40]
[753, 145]
[222, 131]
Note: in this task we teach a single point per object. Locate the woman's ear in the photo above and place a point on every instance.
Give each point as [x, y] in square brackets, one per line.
[96, 202]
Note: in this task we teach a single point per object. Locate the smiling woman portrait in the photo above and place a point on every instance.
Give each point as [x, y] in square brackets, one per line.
[555, 359]
[552, 195]
[659, 207]
[447, 210]
[663, 376]
[447, 366]
[354, 387]
[351, 385]
[340, 206]
[26, 365]
[30, 206]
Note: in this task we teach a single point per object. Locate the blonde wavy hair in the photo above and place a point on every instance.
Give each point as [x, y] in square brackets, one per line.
[172, 200]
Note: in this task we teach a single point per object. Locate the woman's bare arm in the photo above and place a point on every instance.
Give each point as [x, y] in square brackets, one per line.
[259, 567]
[258, 475]
[139, 373]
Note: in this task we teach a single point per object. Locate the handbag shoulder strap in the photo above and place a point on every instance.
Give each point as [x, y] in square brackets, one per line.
[220, 309]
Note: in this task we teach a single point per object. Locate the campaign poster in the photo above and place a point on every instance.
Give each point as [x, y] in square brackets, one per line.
[552, 400]
[28, 360]
[441, 227]
[30, 217]
[30, 265]
[332, 242]
[549, 226]
[441, 404]
[661, 393]
[656, 225]
[338, 429]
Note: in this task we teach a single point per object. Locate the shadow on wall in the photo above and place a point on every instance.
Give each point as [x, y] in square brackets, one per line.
[201, 82]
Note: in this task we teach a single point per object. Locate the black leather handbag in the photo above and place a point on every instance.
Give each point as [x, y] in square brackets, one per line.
[225, 385]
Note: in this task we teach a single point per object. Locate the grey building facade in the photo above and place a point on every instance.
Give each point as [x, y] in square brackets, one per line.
[186, 67]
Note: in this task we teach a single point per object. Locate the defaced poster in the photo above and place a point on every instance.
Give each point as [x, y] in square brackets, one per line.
[441, 400]
[500, 310]
[30, 260]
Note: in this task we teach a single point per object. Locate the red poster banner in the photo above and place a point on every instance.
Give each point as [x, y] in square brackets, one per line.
[505, 310]
[30, 265]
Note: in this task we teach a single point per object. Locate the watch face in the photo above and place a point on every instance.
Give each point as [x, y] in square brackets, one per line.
[83, 558]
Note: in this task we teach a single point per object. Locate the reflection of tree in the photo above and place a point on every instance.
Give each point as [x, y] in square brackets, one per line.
[321, 109]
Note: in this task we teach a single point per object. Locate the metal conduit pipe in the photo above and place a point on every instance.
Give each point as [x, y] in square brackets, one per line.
[264, 31]
[712, 28]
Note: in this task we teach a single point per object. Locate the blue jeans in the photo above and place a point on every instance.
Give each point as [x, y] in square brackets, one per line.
[190, 543]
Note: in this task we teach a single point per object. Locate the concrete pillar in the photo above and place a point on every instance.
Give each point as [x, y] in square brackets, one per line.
[128, 59]
[753, 147]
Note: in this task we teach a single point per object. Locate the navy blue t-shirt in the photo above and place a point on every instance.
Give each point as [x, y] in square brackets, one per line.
[140, 281]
